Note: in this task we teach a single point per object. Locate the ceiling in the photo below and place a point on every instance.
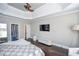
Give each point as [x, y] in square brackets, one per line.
[21, 5]
[64, 5]
[40, 9]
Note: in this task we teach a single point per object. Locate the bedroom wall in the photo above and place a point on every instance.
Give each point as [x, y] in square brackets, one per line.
[13, 20]
[60, 29]
[78, 32]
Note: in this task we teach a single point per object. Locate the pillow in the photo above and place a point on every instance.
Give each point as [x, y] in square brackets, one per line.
[21, 40]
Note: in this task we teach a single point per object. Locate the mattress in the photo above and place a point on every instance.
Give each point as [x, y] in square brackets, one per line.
[11, 49]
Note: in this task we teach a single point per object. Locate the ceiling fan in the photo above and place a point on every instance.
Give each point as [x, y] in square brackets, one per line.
[28, 7]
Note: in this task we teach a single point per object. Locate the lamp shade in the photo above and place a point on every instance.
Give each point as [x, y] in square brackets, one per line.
[34, 38]
[50, 42]
[75, 27]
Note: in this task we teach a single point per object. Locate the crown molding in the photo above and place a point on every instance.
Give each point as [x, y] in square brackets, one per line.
[55, 10]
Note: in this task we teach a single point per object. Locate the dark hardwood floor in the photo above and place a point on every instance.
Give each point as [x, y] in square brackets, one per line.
[51, 50]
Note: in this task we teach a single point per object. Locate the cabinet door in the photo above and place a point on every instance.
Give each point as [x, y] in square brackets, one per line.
[14, 32]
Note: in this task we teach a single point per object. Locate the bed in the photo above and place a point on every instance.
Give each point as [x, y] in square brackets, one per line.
[20, 48]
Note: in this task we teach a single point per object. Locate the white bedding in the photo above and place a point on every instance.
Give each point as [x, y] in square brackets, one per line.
[18, 42]
[20, 48]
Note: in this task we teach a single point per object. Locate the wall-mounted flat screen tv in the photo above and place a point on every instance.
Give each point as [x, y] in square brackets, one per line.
[45, 27]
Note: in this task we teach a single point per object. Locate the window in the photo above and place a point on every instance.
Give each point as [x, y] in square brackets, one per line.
[3, 30]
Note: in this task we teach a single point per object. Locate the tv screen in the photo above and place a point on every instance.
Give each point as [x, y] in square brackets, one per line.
[45, 27]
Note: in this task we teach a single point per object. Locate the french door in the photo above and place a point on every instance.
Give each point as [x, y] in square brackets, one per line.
[14, 32]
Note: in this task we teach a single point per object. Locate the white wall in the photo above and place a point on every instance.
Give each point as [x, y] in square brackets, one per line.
[60, 29]
[13, 20]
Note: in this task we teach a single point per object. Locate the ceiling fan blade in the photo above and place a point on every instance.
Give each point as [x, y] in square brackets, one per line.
[28, 7]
